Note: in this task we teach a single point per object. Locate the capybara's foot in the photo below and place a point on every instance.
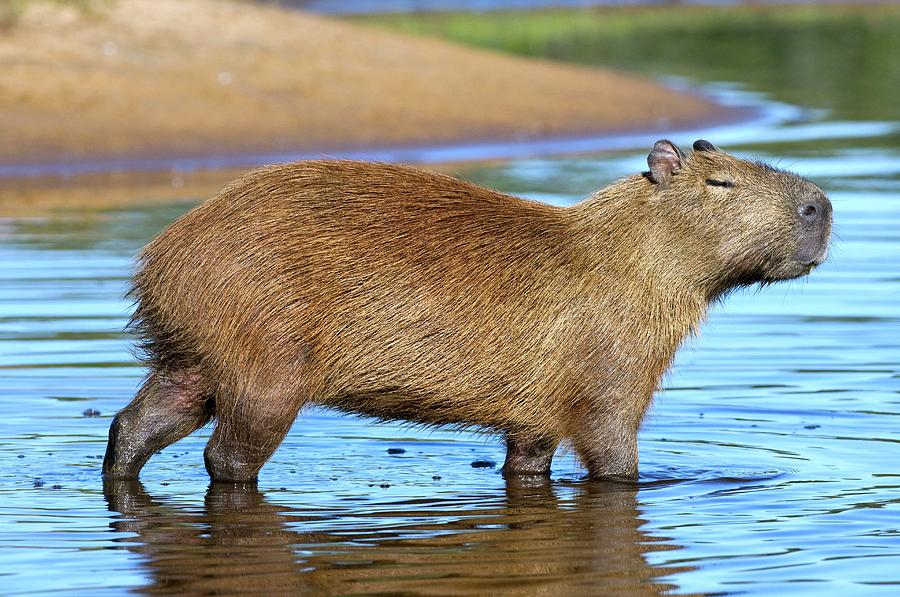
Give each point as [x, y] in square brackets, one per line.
[528, 457]
[125, 452]
[609, 456]
[228, 465]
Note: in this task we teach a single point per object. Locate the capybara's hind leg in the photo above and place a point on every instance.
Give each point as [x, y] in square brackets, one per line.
[168, 407]
[248, 433]
[528, 455]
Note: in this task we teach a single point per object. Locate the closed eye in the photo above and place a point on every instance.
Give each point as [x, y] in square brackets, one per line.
[719, 183]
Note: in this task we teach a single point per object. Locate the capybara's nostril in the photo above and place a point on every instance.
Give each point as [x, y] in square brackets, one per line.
[809, 212]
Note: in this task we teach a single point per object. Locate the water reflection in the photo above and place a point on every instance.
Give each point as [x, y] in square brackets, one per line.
[526, 540]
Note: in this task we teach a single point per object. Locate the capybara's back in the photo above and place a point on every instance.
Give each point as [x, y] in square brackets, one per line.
[378, 289]
[403, 294]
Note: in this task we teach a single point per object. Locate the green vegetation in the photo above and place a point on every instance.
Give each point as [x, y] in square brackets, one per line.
[12, 10]
[845, 59]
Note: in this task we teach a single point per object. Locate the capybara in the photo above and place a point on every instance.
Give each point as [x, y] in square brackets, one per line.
[403, 294]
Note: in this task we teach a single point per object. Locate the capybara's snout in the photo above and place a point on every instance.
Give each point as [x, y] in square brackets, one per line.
[814, 215]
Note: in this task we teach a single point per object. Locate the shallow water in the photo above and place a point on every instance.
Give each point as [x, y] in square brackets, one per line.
[769, 461]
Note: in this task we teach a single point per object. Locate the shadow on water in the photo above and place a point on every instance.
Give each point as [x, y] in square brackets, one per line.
[528, 541]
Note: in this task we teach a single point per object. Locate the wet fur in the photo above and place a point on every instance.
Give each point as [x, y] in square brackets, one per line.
[403, 294]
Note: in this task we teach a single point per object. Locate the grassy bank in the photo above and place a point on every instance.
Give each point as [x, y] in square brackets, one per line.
[807, 55]
[12, 10]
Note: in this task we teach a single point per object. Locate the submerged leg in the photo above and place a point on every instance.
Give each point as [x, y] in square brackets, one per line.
[249, 431]
[528, 456]
[609, 450]
[167, 407]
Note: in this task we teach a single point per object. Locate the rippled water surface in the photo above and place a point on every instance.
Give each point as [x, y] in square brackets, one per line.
[769, 461]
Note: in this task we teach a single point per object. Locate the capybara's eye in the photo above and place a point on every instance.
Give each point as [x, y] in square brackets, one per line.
[719, 183]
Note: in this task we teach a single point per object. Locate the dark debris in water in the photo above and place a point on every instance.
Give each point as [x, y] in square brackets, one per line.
[435, 477]
[91, 413]
[483, 464]
[811, 426]
[38, 483]
[396, 451]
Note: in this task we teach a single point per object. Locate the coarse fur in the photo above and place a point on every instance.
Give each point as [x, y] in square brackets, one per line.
[404, 294]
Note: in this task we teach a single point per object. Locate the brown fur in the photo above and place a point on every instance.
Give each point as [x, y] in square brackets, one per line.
[403, 294]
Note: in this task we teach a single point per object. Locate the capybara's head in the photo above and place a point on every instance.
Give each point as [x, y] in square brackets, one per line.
[759, 223]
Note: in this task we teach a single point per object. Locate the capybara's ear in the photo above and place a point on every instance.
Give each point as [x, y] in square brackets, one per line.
[704, 145]
[664, 160]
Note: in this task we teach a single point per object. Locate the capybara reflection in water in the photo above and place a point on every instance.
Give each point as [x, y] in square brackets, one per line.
[403, 294]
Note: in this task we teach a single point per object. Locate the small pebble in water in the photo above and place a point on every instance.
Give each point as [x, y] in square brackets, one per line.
[91, 413]
[396, 451]
[483, 464]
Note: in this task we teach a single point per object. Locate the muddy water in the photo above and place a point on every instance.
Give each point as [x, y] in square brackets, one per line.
[769, 462]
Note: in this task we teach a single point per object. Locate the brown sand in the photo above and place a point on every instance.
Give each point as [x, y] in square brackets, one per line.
[177, 78]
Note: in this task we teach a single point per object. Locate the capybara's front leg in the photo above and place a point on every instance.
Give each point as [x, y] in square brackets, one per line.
[168, 407]
[608, 448]
[528, 455]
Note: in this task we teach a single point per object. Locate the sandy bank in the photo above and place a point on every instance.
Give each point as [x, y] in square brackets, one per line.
[142, 78]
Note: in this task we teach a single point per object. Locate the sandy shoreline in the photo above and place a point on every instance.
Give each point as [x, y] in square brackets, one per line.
[140, 81]
[451, 151]
[44, 188]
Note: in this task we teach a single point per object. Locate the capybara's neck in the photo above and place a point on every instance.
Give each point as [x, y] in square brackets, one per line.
[632, 247]
[630, 232]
